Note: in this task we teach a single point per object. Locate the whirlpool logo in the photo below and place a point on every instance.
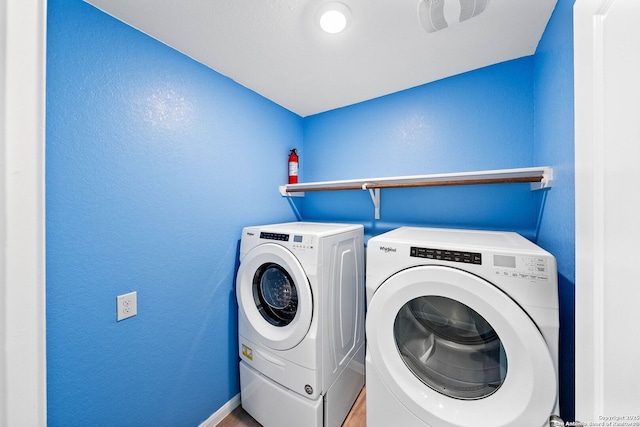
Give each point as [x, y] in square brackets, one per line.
[387, 249]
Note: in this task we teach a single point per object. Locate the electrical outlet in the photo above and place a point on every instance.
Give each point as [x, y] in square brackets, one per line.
[127, 305]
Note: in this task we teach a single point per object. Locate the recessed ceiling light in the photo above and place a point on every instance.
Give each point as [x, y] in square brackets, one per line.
[333, 17]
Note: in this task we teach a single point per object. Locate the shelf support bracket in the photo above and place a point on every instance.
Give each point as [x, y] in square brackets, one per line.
[285, 193]
[375, 198]
[545, 182]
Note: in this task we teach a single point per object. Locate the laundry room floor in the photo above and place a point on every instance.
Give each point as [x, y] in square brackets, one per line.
[356, 418]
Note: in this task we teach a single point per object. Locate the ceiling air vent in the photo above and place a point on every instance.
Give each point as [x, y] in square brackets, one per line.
[437, 15]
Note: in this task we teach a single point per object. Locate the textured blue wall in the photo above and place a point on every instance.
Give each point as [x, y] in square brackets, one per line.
[554, 146]
[154, 163]
[474, 121]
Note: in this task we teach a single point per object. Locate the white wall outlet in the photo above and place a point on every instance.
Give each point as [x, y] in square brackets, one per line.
[127, 305]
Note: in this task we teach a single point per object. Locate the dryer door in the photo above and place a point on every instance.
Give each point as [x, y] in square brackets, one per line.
[274, 295]
[458, 352]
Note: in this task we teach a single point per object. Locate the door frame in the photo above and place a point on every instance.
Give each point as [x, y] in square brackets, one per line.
[22, 215]
[606, 152]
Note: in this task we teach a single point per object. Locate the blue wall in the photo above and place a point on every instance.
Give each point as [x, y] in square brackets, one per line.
[154, 163]
[474, 121]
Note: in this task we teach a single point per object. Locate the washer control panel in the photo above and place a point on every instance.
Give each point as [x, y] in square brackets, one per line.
[298, 241]
[521, 267]
[303, 242]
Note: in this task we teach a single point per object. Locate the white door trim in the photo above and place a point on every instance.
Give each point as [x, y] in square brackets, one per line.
[589, 176]
[22, 218]
[606, 43]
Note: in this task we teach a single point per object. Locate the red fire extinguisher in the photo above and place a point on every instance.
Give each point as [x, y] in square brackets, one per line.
[293, 167]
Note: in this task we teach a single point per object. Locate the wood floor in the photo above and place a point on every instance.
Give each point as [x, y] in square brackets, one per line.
[356, 418]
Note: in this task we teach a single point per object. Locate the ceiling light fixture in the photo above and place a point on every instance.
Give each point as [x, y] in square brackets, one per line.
[333, 17]
[437, 15]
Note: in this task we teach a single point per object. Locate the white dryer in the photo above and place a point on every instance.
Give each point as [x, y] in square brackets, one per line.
[300, 292]
[462, 330]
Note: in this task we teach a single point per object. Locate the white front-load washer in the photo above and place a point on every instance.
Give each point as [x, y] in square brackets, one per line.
[462, 330]
[300, 293]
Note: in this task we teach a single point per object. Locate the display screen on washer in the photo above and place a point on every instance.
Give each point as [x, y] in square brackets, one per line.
[297, 239]
[450, 347]
[275, 294]
[446, 255]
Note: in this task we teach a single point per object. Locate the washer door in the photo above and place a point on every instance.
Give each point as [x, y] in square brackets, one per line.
[458, 352]
[274, 295]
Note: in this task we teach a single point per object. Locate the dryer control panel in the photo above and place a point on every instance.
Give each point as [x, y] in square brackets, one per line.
[274, 236]
[516, 267]
[521, 267]
[446, 255]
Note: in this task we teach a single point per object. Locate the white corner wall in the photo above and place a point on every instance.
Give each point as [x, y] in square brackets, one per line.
[22, 233]
[607, 113]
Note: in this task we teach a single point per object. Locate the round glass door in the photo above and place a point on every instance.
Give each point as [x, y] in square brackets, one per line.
[275, 302]
[275, 294]
[450, 347]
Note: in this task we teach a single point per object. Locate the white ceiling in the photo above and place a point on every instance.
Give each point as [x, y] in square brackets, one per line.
[275, 48]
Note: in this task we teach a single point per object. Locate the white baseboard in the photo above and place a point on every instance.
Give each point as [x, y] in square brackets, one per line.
[225, 410]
